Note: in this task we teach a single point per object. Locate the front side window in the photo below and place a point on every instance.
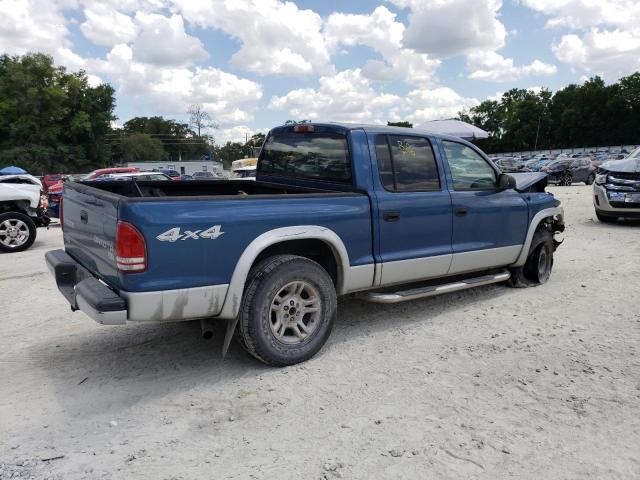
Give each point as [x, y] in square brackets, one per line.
[468, 169]
[322, 156]
[406, 163]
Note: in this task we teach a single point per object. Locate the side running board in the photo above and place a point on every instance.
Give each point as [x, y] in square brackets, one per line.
[433, 290]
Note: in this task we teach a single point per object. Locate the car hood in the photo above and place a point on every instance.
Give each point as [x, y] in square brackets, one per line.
[524, 181]
[629, 165]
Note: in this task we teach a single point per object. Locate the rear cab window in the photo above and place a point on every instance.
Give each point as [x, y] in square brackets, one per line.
[406, 163]
[307, 155]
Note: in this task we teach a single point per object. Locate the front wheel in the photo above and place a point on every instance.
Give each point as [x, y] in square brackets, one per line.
[537, 268]
[17, 232]
[590, 179]
[566, 179]
[288, 310]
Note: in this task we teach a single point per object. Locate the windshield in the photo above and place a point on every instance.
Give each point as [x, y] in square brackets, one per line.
[635, 154]
[322, 156]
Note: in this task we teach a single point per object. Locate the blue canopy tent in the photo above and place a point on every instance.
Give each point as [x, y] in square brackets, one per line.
[12, 171]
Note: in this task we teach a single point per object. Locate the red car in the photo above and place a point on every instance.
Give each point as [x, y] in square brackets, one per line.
[49, 180]
[55, 190]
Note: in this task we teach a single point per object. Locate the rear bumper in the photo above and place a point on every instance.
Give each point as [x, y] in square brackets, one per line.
[85, 292]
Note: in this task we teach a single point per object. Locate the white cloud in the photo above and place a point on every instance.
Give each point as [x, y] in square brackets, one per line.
[346, 96]
[381, 32]
[277, 37]
[237, 133]
[444, 28]
[106, 26]
[491, 66]
[607, 42]
[32, 26]
[168, 91]
[436, 104]
[611, 54]
[163, 41]
[350, 97]
[587, 13]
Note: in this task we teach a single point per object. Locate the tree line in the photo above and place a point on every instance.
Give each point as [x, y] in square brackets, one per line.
[589, 115]
[54, 121]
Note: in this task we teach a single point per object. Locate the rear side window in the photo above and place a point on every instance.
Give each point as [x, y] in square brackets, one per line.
[406, 164]
[321, 156]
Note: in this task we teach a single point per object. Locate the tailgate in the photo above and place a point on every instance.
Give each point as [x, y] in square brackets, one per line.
[90, 220]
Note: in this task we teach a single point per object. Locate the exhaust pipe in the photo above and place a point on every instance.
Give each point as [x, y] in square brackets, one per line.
[207, 328]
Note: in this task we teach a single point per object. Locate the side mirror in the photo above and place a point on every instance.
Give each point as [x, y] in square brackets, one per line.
[506, 182]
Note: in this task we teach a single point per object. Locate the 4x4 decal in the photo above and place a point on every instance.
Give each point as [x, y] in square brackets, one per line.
[174, 234]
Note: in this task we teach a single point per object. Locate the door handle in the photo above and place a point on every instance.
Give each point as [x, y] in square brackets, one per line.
[391, 216]
[84, 216]
[460, 211]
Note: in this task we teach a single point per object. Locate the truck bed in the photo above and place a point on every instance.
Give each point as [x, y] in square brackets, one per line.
[200, 188]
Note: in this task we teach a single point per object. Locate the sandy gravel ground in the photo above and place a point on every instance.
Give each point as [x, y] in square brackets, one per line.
[487, 383]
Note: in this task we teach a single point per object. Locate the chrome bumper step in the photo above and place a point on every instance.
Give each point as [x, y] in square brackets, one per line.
[433, 290]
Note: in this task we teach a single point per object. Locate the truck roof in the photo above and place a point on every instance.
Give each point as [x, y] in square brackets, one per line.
[344, 127]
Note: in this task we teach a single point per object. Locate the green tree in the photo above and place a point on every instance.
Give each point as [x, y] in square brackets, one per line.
[400, 124]
[179, 141]
[141, 147]
[231, 151]
[51, 120]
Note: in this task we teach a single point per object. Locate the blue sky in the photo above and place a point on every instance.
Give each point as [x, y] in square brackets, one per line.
[256, 63]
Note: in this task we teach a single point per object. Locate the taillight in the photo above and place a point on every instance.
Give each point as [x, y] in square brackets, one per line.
[131, 251]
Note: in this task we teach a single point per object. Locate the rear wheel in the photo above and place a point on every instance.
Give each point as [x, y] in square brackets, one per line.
[17, 232]
[537, 269]
[288, 310]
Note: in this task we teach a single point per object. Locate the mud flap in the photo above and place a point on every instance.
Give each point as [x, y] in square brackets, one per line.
[231, 328]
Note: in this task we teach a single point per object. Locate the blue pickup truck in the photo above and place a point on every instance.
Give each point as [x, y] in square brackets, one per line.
[389, 213]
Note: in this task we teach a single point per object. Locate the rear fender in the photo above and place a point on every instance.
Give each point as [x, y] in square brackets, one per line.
[348, 277]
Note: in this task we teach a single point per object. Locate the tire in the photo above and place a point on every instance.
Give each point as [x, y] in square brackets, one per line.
[539, 264]
[276, 287]
[590, 179]
[566, 179]
[605, 218]
[17, 232]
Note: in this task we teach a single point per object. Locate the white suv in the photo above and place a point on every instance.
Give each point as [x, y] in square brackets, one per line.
[617, 189]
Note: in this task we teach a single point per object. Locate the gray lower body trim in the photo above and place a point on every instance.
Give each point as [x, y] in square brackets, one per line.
[359, 278]
[483, 259]
[175, 305]
[405, 271]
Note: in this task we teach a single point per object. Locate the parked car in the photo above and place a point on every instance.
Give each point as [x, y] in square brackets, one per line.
[203, 176]
[49, 180]
[138, 176]
[510, 165]
[109, 171]
[413, 216]
[245, 172]
[22, 210]
[535, 165]
[173, 174]
[566, 171]
[617, 189]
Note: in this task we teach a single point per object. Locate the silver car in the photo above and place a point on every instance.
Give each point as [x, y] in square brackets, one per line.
[617, 189]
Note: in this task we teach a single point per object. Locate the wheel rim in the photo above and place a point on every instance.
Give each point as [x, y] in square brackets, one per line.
[13, 233]
[295, 313]
[544, 264]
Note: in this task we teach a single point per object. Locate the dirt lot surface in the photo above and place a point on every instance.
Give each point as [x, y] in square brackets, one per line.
[486, 383]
